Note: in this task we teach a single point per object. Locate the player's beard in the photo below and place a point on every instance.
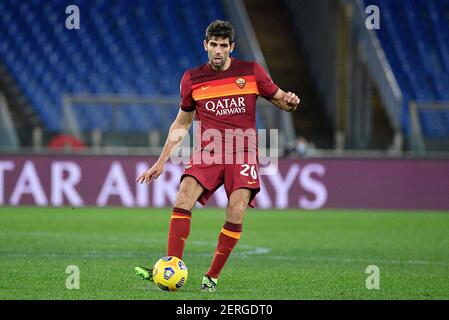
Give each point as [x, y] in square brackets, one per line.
[218, 64]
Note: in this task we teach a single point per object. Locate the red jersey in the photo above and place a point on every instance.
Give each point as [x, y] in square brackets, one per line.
[225, 101]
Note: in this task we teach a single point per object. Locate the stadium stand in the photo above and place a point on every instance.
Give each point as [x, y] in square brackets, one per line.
[134, 47]
[415, 38]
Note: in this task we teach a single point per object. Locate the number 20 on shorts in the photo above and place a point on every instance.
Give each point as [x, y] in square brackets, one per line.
[245, 168]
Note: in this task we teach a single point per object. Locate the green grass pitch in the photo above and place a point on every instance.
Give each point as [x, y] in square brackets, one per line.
[282, 255]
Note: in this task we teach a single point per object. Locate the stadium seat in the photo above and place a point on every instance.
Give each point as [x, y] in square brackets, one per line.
[415, 38]
[122, 47]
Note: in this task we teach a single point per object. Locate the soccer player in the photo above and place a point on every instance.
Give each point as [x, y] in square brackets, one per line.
[221, 94]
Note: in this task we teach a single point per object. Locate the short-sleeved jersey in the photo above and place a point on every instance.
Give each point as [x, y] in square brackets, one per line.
[225, 100]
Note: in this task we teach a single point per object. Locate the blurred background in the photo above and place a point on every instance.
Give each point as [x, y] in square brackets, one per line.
[101, 77]
[112, 86]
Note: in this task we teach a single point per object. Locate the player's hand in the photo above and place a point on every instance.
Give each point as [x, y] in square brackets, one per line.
[291, 100]
[151, 174]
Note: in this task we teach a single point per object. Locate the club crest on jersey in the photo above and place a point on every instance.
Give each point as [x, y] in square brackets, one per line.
[240, 82]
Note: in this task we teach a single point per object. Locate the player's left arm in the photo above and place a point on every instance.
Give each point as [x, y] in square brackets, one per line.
[287, 101]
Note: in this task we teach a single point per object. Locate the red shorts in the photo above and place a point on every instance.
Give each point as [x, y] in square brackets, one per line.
[233, 176]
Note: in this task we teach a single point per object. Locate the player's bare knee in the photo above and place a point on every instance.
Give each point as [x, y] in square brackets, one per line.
[184, 198]
[235, 212]
[186, 195]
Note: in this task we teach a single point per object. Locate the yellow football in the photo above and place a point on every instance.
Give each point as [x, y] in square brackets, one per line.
[170, 273]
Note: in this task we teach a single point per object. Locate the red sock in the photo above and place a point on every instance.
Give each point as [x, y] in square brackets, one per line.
[179, 231]
[229, 235]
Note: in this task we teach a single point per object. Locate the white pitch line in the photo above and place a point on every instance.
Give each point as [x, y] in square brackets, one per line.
[243, 254]
[370, 261]
[248, 250]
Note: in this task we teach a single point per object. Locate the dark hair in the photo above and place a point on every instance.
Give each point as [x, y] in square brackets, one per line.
[220, 29]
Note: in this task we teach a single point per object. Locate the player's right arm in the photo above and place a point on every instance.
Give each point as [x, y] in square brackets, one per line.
[176, 134]
[177, 131]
